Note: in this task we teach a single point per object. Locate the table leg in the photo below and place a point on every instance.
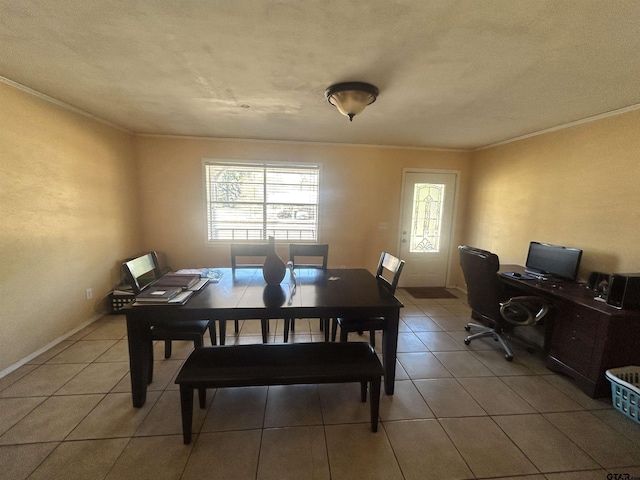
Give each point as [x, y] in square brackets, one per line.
[140, 345]
[389, 350]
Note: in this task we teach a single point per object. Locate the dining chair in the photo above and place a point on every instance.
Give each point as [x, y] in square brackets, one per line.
[307, 255]
[387, 275]
[247, 255]
[142, 271]
[251, 255]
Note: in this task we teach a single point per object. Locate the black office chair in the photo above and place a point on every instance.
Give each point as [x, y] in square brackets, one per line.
[306, 255]
[248, 255]
[388, 266]
[139, 273]
[490, 304]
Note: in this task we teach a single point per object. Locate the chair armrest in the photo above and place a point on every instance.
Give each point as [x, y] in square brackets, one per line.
[524, 310]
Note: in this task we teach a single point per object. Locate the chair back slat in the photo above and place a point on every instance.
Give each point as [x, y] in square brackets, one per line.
[389, 266]
[308, 252]
[248, 251]
[139, 269]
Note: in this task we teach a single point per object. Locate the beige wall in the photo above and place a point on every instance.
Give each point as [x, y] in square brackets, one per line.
[70, 189]
[575, 187]
[68, 214]
[78, 196]
[360, 187]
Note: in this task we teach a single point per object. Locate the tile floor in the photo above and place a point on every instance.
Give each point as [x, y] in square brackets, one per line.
[458, 413]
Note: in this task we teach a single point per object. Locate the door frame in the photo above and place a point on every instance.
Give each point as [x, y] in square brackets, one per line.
[454, 214]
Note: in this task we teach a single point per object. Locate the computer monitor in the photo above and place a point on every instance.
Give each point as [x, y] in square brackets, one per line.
[554, 261]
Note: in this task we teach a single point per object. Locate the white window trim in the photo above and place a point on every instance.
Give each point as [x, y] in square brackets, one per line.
[261, 164]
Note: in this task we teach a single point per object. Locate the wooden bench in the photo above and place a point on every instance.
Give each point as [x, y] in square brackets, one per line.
[278, 364]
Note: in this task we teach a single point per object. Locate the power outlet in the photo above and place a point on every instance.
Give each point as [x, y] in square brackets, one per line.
[89, 293]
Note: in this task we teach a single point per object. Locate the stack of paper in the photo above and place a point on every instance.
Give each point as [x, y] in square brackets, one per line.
[212, 274]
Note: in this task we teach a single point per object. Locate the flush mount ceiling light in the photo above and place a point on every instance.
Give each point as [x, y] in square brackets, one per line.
[351, 98]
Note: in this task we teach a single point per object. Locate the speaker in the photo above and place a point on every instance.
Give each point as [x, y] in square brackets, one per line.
[599, 282]
[624, 290]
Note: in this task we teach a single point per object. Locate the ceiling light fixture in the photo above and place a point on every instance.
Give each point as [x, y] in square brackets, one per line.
[351, 98]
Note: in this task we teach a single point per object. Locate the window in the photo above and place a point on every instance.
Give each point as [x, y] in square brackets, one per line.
[250, 201]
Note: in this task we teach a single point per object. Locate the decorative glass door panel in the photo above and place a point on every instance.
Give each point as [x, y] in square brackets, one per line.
[426, 219]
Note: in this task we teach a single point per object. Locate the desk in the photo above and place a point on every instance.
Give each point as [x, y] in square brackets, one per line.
[583, 337]
[242, 294]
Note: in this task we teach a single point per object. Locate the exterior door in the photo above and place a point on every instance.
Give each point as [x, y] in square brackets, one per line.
[428, 200]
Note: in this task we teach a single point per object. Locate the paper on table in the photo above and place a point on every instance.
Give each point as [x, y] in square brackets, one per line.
[214, 275]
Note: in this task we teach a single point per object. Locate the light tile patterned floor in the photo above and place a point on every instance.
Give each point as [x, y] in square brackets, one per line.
[459, 412]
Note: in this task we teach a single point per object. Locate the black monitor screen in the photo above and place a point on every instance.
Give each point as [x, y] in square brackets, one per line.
[553, 260]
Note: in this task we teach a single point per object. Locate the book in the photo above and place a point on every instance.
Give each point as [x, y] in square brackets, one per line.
[179, 299]
[157, 294]
[198, 285]
[177, 280]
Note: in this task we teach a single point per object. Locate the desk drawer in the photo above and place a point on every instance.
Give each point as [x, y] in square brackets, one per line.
[574, 336]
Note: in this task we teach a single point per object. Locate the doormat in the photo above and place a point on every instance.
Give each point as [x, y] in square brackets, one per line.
[429, 292]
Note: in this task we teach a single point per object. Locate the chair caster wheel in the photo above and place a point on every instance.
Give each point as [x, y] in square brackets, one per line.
[509, 358]
[467, 341]
[467, 328]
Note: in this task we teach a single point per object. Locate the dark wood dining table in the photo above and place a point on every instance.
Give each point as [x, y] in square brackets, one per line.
[242, 294]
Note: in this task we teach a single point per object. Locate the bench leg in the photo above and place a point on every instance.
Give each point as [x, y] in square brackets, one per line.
[374, 398]
[202, 397]
[186, 406]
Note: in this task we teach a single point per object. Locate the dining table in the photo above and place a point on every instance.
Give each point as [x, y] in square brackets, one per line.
[242, 294]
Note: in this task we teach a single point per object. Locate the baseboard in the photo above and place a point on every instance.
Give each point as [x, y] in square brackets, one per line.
[48, 346]
[457, 287]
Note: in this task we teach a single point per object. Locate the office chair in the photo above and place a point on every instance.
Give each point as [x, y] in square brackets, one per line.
[142, 271]
[490, 304]
[307, 252]
[388, 266]
[248, 255]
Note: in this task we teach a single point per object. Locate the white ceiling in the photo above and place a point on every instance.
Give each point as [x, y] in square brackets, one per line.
[452, 74]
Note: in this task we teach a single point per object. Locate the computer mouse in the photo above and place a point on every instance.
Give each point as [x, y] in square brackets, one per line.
[516, 274]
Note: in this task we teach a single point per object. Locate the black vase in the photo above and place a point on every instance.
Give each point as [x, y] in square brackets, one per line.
[274, 268]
